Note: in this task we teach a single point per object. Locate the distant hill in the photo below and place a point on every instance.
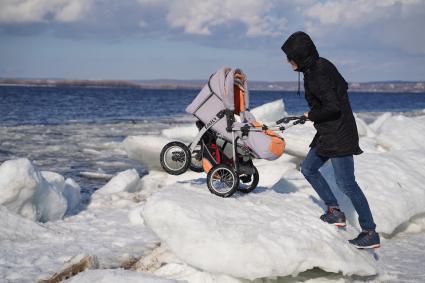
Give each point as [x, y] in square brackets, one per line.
[389, 86]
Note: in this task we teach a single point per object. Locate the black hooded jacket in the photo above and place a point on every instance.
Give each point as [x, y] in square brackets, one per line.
[326, 94]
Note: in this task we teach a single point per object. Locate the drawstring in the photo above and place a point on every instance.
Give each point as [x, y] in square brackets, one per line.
[298, 92]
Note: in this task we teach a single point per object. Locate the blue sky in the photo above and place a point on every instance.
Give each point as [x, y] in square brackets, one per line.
[187, 39]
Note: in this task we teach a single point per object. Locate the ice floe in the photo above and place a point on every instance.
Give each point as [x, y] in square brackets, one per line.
[400, 132]
[41, 196]
[271, 232]
[259, 235]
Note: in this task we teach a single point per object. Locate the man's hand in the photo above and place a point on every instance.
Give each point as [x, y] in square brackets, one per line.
[306, 115]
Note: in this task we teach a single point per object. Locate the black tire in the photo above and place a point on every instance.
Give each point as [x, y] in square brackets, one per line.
[175, 158]
[249, 186]
[222, 175]
[196, 161]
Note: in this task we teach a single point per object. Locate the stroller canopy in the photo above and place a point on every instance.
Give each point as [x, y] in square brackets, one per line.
[222, 84]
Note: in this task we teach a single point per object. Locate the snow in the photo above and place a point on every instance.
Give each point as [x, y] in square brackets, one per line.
[32, 251]
[116, 276]
[16, 228]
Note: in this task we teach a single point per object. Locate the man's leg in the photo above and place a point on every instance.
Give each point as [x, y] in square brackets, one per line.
[345, 179]
[310, 170]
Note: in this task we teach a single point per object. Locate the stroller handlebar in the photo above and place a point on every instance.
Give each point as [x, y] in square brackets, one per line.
[295, 119]
[245, 128]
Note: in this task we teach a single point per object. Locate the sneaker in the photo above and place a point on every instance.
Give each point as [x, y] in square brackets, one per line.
[334, 216]
[366, 240]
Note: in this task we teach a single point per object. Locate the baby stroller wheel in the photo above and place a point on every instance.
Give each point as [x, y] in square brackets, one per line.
[249, 182]
[175, 158]
[196, 162]
[222, 180]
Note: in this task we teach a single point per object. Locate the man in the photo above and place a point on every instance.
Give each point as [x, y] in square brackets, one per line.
[336, 139]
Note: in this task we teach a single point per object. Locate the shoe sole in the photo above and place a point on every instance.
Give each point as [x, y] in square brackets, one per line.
[368, 247]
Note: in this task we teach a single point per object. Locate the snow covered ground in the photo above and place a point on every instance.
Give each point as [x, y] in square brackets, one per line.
[165, 228]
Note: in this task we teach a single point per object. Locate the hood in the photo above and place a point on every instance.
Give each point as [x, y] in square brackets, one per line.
[300, 48]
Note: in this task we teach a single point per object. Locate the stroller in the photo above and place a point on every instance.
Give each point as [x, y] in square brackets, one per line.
[225, 147]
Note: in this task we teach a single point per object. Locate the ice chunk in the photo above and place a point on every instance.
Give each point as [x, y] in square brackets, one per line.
[18, 183]
[379, 121]
[96, 175]
[125, 181]
[117, 192]
[72, 193]
[401, 132]
[298, 139]
[270, 112]
[183, 133]
[40, 196]
[49, 199]
[259, 235]
[362, 128]
[145, 149]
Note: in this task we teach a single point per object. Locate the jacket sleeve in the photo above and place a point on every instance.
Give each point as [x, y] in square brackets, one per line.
[324, 91]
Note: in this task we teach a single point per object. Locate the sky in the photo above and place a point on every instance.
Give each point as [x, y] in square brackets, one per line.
[189, 39]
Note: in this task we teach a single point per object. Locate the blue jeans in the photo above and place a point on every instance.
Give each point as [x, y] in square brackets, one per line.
[346, 181]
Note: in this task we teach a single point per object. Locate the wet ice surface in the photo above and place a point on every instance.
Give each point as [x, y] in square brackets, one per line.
[404, 257]
[75, 148]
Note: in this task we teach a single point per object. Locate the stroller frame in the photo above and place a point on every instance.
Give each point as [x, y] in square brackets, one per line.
[225, 95]
[235, 170]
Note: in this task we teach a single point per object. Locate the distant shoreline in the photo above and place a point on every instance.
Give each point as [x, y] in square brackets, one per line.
[390, 86]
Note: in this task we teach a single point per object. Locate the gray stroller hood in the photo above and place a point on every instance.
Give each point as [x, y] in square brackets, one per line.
[218, 95]
[215, 96]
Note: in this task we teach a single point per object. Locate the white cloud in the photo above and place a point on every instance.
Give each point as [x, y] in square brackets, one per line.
[361, 24]
[32, 11]
[199, 17]
[390, 24]
[349, 13]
